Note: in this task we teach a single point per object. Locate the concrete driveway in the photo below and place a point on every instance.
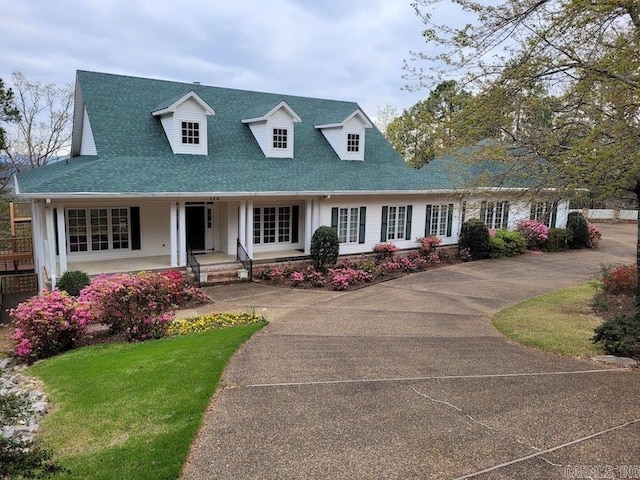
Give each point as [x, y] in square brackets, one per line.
[408, 379]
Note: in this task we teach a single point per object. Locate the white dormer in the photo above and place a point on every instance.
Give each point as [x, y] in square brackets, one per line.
[274, 130]
[347, 137]
[185, 123]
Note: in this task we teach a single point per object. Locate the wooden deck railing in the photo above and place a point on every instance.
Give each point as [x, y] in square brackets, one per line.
[18, 250]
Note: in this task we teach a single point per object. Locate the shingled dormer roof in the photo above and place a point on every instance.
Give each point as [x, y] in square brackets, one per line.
[134, 157]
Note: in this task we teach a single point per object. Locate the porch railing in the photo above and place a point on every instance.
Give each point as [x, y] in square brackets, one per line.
[193, 263]
[243, 257]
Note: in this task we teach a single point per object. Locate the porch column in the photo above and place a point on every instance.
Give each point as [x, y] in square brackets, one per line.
[173, 234]
[51, 246]
[62, 239]
[308, 226]
[242, 224]
[182, 234]
[37, 222]
[249, 234]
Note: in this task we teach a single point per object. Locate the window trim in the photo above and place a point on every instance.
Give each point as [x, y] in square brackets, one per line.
[445, 230]
[190, 132]
[390, 212]
[490, 207]
[284, 229]
[356, 231]
[547, 214]
[353, 143]
[89, 231]
[280, 138]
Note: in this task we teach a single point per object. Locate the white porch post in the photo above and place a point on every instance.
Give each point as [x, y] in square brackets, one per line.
[37, 222]
[182, 234]
[249, 235]
[173, 234]
[242, 224]
[62, 239]
[308, 226]
[51, 242]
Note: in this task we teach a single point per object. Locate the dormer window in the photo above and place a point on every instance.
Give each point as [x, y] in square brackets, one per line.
[280, 138]
[191, 133]
[347, 137]
[353, 142]
[184, 120]
[273, 128]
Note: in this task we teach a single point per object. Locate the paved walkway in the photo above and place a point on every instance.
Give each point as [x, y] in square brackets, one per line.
[408, 379]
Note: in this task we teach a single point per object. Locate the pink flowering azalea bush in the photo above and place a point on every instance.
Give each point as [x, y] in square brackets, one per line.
[428, 245]
[342, 278]
[48, 324]
[139, 306]
[535, 233]
[594, 236]
[385, 250]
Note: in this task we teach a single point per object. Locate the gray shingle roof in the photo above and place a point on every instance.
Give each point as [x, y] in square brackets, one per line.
[134, 155]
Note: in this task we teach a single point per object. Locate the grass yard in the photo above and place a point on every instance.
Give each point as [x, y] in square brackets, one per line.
[559, 322]
[132, 410]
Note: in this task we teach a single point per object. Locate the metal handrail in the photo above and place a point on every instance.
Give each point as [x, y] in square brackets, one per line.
[243, 257]
[193, 263]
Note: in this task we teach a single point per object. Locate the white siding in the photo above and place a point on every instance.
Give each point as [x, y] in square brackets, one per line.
[374, 219]
[334, 136]
[87, 145]
[337, 138]
[262, 131]
[189, 111]
[355, 126]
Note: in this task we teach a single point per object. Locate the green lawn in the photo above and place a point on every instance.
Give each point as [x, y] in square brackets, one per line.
[560, 322]
[131, 411]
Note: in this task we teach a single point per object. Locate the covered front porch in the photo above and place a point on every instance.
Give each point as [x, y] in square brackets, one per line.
[130, 235]
[163, 262]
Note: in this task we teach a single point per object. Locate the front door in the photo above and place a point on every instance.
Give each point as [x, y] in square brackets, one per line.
[195, 220]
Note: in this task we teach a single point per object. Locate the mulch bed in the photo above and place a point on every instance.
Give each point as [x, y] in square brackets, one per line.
[610, 306]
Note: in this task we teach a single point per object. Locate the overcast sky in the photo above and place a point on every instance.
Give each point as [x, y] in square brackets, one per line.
[348, 50]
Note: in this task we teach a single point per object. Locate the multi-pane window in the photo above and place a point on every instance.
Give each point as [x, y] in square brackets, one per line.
[543, 212]
[284, 224]
[353, 142]
[97, 229]
[120, 227]
[77, 228]
[439, 218]
[348, 224]
[271, 224]
[191, 133]
[496, 214]
[280, 138]
[396, 223]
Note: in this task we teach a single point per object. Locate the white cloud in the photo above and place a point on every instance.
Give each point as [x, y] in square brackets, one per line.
[330, 49]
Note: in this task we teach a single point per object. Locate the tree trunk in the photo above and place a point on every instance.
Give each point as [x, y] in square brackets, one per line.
[636, 190]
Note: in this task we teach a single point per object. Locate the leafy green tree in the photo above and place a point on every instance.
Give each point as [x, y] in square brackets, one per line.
[424, 128]
[8, 111]
[558, 78]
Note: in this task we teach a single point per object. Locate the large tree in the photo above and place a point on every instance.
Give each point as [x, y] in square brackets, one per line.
[43, 131]
[559, 78]
[425, 128]
[8, 111]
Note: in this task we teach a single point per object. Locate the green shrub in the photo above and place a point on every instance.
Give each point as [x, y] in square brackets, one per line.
[620, 336]
[73, 281]
[578, 230]
[497, 247]
[557, 240]
[325, 247]
[474, 237]
[514, 242]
